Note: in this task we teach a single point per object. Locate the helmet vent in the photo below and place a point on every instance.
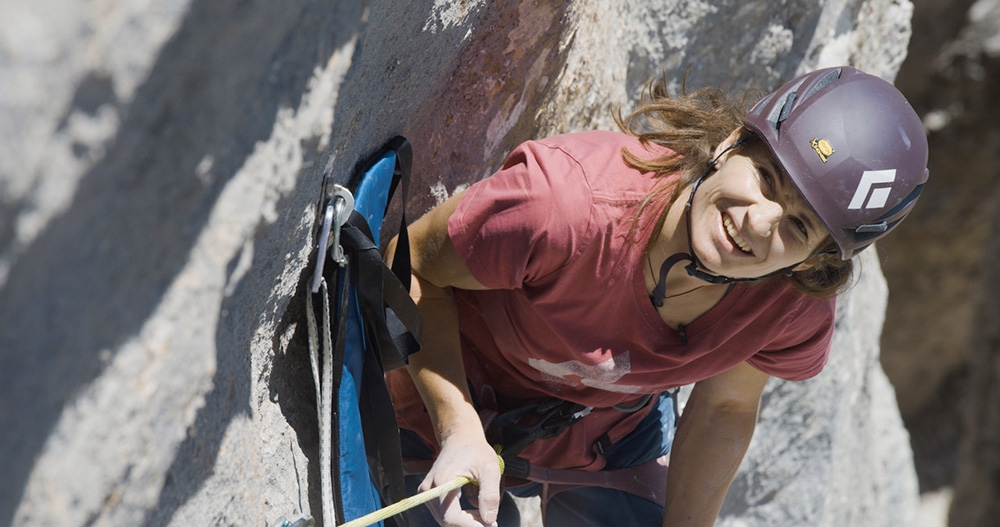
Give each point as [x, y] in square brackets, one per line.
[781, 106]
[822, 83]
[762, 104]
[865, 234]
[786, 109]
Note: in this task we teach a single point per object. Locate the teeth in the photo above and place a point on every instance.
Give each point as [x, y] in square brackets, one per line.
[735, 235]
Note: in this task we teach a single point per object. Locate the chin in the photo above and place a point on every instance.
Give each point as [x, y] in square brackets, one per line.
[710, 259]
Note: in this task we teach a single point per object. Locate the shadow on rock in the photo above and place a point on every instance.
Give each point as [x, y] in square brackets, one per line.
[93, 277]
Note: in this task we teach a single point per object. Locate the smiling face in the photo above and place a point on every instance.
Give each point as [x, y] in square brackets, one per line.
[748, 220]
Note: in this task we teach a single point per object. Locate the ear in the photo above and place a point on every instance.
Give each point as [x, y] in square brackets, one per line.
[730, 141]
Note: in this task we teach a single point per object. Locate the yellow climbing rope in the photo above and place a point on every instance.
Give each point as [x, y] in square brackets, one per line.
[416, 499]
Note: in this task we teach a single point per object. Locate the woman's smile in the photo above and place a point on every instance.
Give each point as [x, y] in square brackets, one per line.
[734, 234]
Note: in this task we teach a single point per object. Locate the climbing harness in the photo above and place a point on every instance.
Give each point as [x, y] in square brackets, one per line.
[512, 431]
[361, 323]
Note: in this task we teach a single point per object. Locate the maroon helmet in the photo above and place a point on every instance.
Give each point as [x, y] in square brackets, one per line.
[852, 145]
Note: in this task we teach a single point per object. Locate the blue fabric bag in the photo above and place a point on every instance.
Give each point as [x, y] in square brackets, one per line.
[370, 326]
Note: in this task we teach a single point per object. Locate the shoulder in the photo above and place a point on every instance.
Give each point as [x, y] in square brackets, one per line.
[536, 213]
[594, 159]
[594, 150]
[796, 315]
[799, 331]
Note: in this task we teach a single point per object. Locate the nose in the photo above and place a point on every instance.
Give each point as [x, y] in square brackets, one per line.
[765, 216]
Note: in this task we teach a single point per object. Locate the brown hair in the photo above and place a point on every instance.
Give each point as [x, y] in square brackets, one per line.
[691, 126]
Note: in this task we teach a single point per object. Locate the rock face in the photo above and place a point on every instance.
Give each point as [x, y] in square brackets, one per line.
[940, 346]
[159, 168]
[951, 80]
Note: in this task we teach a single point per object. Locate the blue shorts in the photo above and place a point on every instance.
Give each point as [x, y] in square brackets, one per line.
[584, 506]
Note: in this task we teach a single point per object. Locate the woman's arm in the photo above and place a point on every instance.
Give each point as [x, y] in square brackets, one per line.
[712, 437]
[439, 374]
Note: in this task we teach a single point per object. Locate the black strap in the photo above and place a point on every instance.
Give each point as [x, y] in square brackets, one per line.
[513, 431]
[401, 179]
[381, 433]
[338, 297]
[385, 304]
[659, 293]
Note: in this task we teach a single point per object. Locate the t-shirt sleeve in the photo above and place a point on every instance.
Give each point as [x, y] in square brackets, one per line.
[526, 221]
[801, 347]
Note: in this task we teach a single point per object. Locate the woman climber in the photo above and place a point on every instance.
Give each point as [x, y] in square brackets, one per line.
[597, 272]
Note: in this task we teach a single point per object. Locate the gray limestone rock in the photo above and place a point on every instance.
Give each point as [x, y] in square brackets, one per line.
[159, 167]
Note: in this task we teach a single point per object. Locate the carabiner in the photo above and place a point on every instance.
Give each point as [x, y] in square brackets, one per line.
[336, 211]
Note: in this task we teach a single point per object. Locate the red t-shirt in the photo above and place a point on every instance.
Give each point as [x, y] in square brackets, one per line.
[568, 314]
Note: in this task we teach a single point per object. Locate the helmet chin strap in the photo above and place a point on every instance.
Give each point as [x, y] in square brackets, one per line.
[659, 292]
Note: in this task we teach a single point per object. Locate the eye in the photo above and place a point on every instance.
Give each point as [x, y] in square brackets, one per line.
[767, 182]
[801, 226]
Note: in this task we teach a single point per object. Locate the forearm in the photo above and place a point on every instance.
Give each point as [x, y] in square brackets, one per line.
[703, 461]
[712, 437]
[438, 370]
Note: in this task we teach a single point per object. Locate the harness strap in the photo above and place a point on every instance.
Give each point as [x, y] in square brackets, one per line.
[401, 178]
[518, 428]
[647, 480]
[515, 429]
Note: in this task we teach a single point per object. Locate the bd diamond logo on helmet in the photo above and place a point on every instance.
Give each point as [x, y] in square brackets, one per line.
[823, 148]
[873, 198]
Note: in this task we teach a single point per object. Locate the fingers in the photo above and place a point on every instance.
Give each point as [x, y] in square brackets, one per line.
[467, 455]
[448, 511]
[488, 493]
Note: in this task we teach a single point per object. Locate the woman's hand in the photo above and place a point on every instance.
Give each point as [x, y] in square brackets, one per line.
[465, 454]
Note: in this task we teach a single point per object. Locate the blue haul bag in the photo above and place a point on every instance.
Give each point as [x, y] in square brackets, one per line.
[362, 323]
